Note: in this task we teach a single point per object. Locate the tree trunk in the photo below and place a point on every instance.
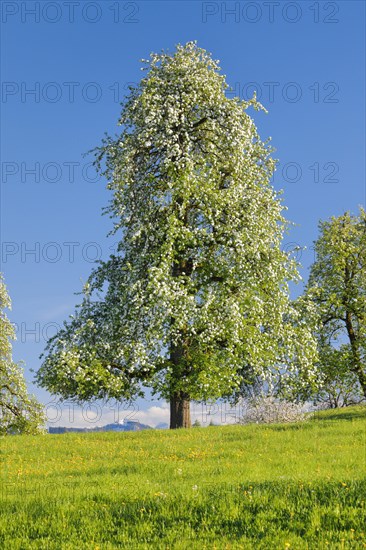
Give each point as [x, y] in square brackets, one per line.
[180, 413]
[357, 367]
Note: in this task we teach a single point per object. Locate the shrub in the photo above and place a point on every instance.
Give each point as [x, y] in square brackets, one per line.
[263, 409]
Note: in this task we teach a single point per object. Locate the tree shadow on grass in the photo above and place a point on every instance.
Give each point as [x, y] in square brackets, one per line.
[341, 414]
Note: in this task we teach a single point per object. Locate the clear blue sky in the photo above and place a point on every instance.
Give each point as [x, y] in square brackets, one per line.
[305, 59]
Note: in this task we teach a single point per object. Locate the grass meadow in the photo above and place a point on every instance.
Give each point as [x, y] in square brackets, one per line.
[299, 486]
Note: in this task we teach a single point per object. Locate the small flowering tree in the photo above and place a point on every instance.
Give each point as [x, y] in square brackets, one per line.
[199, 285]
[19, 411]
[337, 290]
[267, 409]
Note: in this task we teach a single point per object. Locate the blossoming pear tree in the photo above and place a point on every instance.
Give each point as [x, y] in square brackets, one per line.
[337, 289]
[198, 288]
[19, 411]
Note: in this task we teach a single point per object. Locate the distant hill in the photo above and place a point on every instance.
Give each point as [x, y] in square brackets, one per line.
[128, 426]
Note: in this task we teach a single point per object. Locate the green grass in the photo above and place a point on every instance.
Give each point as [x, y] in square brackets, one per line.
[295, 486]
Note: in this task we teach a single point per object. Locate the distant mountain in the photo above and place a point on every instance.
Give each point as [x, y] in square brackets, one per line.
[128, 426]
[162, 426]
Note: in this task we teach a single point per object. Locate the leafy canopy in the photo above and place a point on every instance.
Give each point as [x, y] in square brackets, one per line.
[337, 288]
[19, 412]
[198, 289]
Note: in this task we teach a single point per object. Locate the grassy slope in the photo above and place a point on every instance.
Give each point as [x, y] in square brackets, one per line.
[296, 486]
